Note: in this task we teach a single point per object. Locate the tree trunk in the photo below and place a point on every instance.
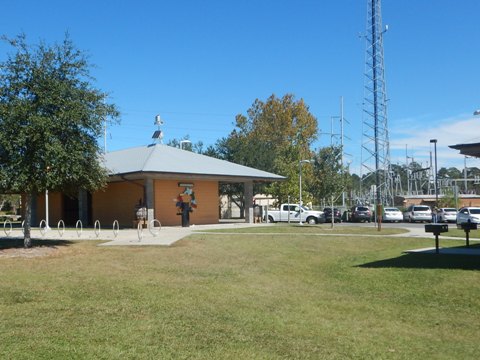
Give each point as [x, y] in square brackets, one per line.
[27, 241]
[241, 206]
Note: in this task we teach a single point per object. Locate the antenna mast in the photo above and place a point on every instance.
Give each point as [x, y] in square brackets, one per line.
[375, 141]
[158, 134]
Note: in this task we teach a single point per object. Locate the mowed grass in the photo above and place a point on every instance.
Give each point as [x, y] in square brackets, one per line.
[313, 230]
[227, 296]
[454, 232]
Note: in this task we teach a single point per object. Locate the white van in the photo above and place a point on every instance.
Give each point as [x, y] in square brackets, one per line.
[418, 213]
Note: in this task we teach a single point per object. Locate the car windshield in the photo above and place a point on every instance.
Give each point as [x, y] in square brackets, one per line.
[450, 210]
[391, 210]
[475, 211]
[362, 208]
[421, 208]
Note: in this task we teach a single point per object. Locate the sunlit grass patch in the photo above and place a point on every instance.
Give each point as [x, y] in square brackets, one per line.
[231, 296]
[311, 229]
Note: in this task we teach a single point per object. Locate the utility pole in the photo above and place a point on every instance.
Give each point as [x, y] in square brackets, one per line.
[341, 144]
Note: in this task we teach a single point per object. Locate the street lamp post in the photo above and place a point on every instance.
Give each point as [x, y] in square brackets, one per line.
[465, 170]
[300, 183]
[434, 142]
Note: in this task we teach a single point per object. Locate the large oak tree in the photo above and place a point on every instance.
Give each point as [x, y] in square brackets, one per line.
[274, 136]
[50, 118]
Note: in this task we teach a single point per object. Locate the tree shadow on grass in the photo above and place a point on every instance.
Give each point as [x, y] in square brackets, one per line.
[430, 261]
[15, 243]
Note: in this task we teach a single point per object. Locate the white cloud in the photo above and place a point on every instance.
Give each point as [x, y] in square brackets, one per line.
[416, 135]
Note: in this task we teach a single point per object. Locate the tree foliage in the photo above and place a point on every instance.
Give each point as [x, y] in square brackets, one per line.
[51, 117]
[273, 136]
[448, 199]
[9, 203]
[329, 178]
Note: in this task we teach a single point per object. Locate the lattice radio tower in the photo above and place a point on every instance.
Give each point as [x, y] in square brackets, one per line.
[375, 142]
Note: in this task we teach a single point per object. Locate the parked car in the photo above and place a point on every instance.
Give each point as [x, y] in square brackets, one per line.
[294, 213]
[447, 215]
[337, 216]
[360, 214]
[468, 214]
[418, 213]
[392, 214]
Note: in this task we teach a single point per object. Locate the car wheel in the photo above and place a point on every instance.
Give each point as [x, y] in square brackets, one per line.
[270, 219]
[311, 221]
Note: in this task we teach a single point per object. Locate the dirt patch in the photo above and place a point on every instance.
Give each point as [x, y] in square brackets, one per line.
[37, 251]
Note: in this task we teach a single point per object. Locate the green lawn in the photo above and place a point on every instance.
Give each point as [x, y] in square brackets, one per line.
[313, 229]
[452, 231]
[226, 296]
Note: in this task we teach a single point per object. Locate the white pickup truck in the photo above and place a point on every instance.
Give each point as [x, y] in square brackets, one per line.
[292, 213]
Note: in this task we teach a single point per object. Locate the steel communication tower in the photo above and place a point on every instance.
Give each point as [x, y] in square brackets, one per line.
[375, 142]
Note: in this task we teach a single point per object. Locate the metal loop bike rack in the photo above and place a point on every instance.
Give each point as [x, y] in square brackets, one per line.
[116, 228]
[154, 230]
[96, 228]
[5, 227]
[61, 228]
[43, 230]
[139, 231]
[77, 226]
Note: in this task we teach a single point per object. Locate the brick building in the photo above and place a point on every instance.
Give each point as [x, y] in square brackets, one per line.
[152, 177]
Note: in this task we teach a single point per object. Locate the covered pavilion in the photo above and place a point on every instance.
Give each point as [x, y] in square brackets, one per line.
[153, 178]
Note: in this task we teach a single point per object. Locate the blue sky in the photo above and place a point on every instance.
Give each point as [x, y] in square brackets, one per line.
[199, 63]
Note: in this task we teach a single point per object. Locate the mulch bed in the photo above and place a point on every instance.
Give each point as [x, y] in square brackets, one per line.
[37, 251]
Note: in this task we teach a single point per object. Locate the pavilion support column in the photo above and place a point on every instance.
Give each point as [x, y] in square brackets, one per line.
[150, 199]
[248, 197]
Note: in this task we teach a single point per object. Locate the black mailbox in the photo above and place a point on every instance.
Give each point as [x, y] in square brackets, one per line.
[436, 229]
[467, 226]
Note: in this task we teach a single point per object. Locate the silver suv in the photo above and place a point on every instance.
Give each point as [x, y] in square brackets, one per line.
[418, 213]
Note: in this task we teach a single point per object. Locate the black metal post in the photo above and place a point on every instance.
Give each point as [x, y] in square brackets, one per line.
[434, 141]
[185, 214]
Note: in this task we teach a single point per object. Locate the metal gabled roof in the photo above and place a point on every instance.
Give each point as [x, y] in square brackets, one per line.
[167, 160]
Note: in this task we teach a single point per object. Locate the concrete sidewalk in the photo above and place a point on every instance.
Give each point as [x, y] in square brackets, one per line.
[167, 235]
[171, 234]
[446, 251]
